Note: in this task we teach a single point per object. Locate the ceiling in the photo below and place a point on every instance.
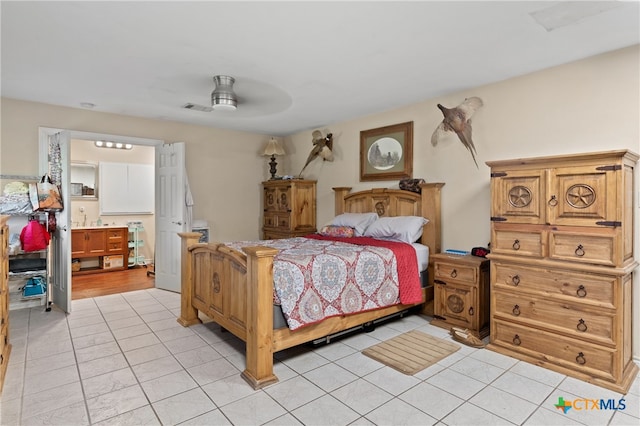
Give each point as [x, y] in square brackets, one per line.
[298, 65]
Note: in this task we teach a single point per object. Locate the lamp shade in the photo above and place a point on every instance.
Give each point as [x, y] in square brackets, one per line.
[273, 147]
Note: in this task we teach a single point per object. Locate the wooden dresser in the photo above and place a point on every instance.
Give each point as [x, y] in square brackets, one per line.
[461, 292]
[562, 264]
[289, 208]
[5, 346]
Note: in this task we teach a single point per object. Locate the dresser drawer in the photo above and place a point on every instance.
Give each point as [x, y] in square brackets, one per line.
[276, 220]
[283, 221]
[568, 319]
[550, 347]
[115, 246]
[562, 285]
[511, 241]
[451, 271]
[114, 234]
[270, 220]
[582, 247]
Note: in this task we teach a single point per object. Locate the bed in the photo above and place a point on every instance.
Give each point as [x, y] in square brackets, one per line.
[235, 288]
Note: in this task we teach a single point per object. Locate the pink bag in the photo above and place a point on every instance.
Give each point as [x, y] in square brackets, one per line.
[34, 236]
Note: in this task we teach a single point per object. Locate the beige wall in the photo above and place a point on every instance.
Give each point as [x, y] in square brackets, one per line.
[224, 166]
[589, 105]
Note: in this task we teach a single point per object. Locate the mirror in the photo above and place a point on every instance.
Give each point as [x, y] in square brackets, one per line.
[84, 180]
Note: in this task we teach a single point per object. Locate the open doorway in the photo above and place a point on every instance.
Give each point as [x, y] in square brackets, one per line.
[170, 207]
[113, 238]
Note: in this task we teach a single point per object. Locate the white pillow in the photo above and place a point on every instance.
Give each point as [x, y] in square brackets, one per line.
[401, 228]
[358, 221]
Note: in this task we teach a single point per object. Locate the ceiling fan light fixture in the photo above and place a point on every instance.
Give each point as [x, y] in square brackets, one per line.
[223, 97]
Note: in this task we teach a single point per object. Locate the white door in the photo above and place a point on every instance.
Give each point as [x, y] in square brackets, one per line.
[59, 262]
[170, 214]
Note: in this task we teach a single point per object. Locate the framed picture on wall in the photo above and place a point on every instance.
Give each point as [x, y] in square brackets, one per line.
[386, 153]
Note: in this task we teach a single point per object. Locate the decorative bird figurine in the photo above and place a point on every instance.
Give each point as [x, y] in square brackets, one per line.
[322, 147]
[458, 120]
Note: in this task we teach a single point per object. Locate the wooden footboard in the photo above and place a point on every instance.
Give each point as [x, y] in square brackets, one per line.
[215, 281]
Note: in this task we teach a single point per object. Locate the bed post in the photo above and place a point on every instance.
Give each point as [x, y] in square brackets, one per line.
[340, 193]
[431, 209]
[188, 314]
[259, 353]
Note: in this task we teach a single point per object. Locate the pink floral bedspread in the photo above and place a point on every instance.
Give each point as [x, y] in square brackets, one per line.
[318, 278]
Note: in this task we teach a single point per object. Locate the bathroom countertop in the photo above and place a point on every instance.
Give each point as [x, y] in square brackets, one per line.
[98, 227]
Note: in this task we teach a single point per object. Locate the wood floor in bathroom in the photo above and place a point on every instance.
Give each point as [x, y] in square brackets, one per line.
[92, 285]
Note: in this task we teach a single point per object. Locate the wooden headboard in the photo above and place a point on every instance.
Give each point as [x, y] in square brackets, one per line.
[397, 202]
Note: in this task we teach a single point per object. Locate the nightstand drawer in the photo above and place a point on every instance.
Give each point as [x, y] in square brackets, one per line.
[452, 271]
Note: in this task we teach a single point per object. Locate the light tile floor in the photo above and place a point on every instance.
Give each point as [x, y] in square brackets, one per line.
[124, 360]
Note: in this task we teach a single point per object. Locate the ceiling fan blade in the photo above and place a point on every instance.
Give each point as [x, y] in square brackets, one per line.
[197, 107]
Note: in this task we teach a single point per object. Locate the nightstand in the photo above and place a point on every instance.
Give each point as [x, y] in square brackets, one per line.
[461, 293]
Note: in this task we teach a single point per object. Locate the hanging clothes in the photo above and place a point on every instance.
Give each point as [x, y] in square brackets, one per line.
[188, 201]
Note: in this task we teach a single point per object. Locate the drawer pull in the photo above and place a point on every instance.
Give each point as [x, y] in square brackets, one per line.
[454, 273]
[579, 250]
[516, 310]
[581, 325]
[516, 340]
[471, 311]
[553, 201]
[515, 280]
[516, 245]
[580, 359]
[581, 291]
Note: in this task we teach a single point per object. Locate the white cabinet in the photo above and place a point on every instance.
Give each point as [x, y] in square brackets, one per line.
[126, 188]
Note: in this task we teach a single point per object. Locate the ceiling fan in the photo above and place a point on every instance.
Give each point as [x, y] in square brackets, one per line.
[223, 98]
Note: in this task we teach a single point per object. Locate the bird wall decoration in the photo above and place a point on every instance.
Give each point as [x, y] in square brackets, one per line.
[458, 120]
[322, 147]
